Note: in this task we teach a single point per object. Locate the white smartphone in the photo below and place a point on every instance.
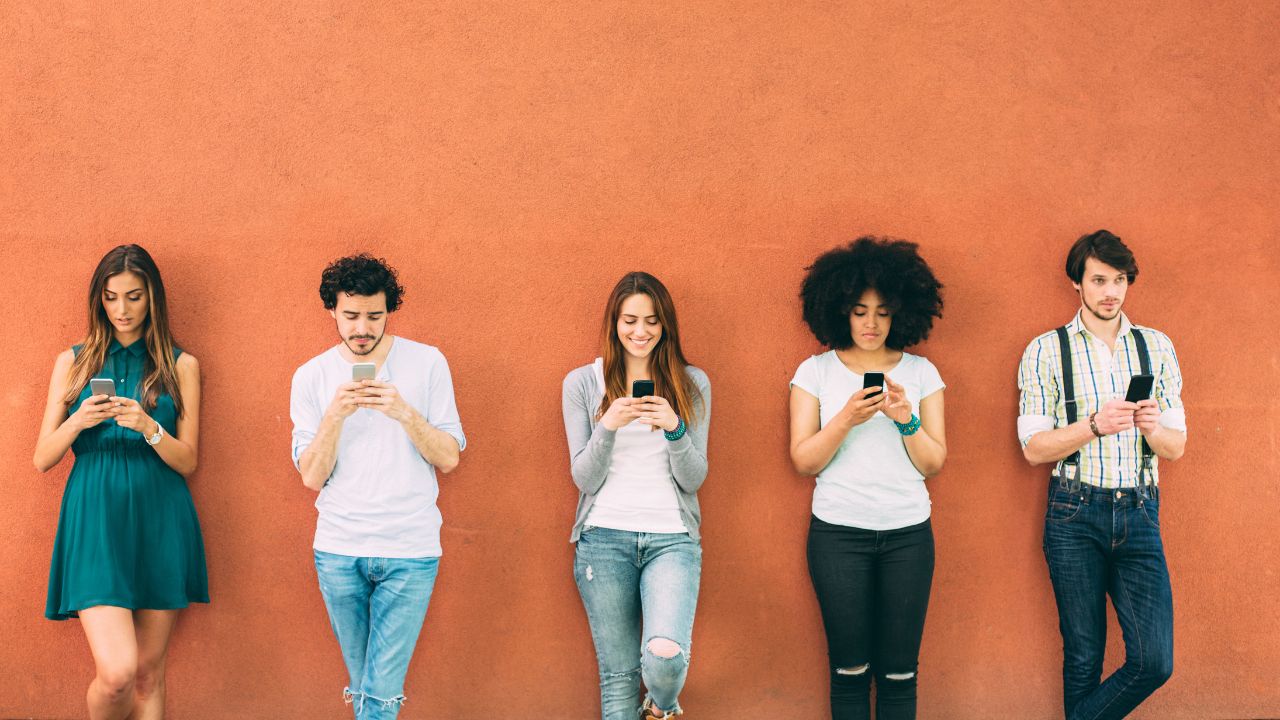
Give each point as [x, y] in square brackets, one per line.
[102, 386]
[363, 371]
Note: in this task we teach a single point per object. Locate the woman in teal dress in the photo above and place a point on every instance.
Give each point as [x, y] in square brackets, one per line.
[128, 554]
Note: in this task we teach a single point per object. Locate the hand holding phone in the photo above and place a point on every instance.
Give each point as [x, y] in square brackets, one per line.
[862, 405]
[89, 413]
[620, 413]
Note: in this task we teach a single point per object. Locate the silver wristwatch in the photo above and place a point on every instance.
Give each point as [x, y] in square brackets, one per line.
[155, 439]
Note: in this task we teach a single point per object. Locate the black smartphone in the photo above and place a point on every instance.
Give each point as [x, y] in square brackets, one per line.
[873, 379]
[641, 388]
[1139, 387]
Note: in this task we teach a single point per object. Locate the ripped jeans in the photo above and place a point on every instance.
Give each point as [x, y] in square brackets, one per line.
[640, 591]
[376, 608]
[873, 589]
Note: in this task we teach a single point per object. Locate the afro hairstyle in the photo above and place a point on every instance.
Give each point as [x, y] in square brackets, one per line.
[836, 281]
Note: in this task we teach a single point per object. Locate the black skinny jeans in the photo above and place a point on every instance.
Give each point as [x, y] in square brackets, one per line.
[873, 588]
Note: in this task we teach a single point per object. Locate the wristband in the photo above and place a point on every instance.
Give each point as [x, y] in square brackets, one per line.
[1093, 424]
[678, 432]
[910, 427]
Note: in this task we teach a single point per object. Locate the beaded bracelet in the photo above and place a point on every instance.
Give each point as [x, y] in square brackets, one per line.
[910, 427]
[677, 433]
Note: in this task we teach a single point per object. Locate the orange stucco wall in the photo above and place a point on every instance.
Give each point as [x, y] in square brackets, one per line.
[512, 160]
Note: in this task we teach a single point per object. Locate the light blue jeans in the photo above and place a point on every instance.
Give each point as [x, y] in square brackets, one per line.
[376, 608]
[637, 588]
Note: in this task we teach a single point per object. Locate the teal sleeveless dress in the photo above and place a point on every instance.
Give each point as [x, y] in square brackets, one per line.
[128, 535]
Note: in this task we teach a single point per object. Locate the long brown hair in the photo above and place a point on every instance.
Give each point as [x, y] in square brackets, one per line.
[161, 373]
[666, 361]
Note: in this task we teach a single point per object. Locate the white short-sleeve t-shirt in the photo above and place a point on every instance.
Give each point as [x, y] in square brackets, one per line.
[380, 500]
[870, 482]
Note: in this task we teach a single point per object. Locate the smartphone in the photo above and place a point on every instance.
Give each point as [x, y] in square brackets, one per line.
[102, 386]
[363, 371]
[641, 388]
[873, 379]
[1139, 387]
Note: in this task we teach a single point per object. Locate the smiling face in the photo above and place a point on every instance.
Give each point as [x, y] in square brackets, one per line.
[125, 301]
[361, 321]
[638, 328]
[869, 321]
[1102, 289]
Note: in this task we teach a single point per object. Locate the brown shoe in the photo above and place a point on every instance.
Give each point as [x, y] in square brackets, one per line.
[649, 711]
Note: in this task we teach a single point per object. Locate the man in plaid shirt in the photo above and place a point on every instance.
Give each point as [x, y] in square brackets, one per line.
[1102, 528]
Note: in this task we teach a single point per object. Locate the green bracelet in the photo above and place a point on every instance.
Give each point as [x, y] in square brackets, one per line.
[910, 427]
[676, 434]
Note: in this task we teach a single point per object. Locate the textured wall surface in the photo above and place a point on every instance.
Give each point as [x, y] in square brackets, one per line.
[512, 160]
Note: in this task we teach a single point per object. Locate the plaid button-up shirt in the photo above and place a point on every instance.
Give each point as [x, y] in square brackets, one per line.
[1100, 375]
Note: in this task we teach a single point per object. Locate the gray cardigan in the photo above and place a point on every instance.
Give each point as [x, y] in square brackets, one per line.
[591, 445]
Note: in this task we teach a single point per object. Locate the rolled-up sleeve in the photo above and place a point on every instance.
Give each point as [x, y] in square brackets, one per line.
[304, 412]
[1168, 386]
[1038, 390]
[442, 407]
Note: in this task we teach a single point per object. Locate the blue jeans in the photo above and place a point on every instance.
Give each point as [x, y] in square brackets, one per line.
[1107, 542]
[638, 588]
[376, 608]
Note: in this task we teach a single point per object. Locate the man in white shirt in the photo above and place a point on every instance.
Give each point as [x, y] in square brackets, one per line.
[371, 449]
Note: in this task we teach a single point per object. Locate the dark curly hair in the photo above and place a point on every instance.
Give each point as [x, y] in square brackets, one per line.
[360, 274]
[893, 268]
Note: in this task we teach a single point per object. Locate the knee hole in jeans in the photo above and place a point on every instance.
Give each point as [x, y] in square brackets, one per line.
[858, 670]
[663, 648]
[899, 676]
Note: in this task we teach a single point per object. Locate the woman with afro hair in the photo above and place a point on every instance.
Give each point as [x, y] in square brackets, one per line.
[871, 445]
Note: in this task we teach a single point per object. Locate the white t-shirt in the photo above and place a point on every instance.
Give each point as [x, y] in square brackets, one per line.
[639, 494]
[380, 500]
[870, 482]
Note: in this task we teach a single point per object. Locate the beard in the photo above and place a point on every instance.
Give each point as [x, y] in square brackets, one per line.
[1099, 314]
[355, 349]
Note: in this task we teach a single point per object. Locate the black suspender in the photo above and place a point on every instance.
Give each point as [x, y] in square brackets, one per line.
[1068, 391]
[1069, 398]
[1144, 360]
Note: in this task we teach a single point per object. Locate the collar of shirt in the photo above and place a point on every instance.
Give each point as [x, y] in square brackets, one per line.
[1077, 326]
[135, 348]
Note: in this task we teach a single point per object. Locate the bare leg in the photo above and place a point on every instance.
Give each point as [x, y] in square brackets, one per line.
[110, 633]
[153, 628]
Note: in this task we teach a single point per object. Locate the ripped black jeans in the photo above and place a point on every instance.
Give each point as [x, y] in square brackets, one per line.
[873, 588]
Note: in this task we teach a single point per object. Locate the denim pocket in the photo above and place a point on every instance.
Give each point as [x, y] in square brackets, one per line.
[1063, 508]
[1151, 512]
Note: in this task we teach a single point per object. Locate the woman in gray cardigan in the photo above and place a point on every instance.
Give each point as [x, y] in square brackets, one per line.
[636, 420]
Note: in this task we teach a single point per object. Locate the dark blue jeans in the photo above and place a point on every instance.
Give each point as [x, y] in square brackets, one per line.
[1107, 542]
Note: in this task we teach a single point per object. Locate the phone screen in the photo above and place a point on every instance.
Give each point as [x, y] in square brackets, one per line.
[873, 379]
[1139, 388]
[641, 388]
